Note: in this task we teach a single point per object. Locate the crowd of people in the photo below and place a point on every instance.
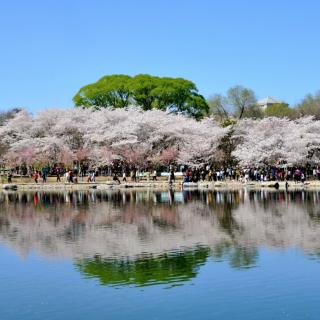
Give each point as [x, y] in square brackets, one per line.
[205, 173]
[295, 174]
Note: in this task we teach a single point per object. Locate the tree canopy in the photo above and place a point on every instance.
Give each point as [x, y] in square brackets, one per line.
[239, 102]
[310, 106]
[63, 136]
[4, 117]
[280, 110]
[242, 100]
[7, 115]
[148, 92]
[153, 138]
[218, 107]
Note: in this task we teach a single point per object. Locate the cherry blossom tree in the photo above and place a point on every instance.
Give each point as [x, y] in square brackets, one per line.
[271, 140]
[130, 135]
[59, 135]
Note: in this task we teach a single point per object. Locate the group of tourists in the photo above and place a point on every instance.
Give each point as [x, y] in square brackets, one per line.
[37, 175]
[121, 171]
[135, 175]
[295, 174]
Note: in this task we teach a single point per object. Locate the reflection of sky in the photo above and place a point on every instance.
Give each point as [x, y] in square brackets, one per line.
[283, 285]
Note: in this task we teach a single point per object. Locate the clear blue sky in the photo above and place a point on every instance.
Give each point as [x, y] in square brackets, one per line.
[49, 49]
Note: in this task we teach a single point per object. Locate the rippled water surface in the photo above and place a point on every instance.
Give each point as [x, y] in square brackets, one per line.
[160, 255]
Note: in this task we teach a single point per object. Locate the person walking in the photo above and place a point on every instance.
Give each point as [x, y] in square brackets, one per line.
[115, 178]
[36, 176]
[93, 176]
[133, 175]
[82, 174]
[238, 174]
[154, 175]
[171, 178]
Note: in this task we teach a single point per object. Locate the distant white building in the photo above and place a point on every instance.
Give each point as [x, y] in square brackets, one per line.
[266, 102]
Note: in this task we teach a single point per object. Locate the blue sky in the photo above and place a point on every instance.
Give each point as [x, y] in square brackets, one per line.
[49, 49]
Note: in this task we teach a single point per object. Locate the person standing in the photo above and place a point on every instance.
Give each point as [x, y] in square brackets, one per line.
[9, 177]
[58, 171]
[238, 174]
[203, 175]
[287, 185]
[303, 177]
[70, 176]
[44, 174]
[66, 176]
[81, 174]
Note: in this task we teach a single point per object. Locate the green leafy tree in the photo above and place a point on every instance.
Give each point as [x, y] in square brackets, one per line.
[110, 91]
[194, 106]
[253, 111]
[174, 94]
[145, 91]
[181, 95]
[280, 110]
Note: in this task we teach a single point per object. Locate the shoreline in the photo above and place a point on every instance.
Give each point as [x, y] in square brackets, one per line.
[160, 185]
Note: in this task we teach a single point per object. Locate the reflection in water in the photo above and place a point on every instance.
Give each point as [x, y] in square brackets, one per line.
[170, 267]
[239, 257]
[147, 237]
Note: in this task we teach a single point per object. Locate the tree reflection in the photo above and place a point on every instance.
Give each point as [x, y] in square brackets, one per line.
[167, 268]
[238, 257]
[142, 235]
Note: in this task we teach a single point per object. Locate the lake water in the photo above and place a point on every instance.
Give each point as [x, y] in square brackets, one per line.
[160, 255]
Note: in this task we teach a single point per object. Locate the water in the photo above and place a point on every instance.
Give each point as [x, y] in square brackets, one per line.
[156, 255]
